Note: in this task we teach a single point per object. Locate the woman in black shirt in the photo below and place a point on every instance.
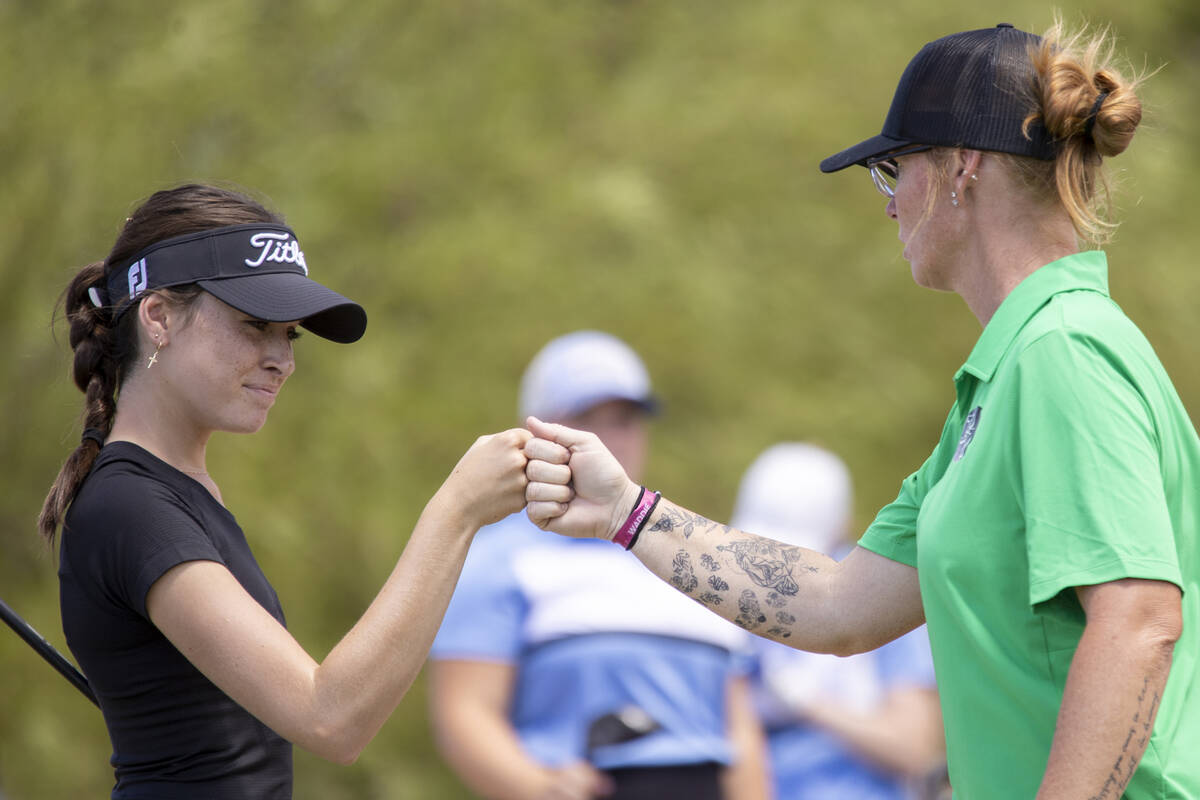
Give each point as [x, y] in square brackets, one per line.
[185, 329]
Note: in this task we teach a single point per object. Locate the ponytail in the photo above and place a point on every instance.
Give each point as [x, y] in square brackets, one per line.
[97, 367]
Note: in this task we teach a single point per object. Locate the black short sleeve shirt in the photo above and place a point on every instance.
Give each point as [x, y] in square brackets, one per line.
[174, 734]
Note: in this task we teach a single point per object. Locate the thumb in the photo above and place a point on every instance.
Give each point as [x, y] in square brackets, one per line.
[560, 434]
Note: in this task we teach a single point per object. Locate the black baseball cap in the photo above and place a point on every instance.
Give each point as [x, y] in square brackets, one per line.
[972, 89]
[259, 269]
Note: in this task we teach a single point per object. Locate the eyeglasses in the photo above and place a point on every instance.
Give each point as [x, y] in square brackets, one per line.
[885, 172]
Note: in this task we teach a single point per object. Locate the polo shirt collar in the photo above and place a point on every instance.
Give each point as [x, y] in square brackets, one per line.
[1080, 271]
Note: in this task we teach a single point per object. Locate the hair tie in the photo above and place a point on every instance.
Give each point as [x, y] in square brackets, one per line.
[95, 434]
[1091, 118]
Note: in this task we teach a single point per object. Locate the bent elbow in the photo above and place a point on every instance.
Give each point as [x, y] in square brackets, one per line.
[848, 645]
[348, 757]
[340, 753]
[340, 747]
[1173, 625]
[1166, 631]
[1162, 627]
[845, 650]
[850, 640]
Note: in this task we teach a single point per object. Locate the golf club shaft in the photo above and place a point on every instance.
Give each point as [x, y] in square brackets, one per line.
[47, 651]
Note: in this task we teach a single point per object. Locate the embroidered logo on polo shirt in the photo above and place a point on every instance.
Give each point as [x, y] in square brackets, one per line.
[968, 433]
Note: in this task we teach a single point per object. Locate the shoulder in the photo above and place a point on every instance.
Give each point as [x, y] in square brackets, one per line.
[122, 482]
[132, 507]
[124, 463]
[1083, 318]
[128, 487]
[132, 520]
[1083, 339]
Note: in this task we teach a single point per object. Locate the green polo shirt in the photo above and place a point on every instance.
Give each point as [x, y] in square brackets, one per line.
[1067, 460]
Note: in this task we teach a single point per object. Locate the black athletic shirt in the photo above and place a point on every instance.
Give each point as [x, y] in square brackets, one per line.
[174, 734]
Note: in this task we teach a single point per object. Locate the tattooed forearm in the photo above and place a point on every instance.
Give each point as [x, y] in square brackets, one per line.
[757, 583]
[768, 563]
[683, 577]
[682, 520]
[669, 521]
[750, 615]
[1136, 739]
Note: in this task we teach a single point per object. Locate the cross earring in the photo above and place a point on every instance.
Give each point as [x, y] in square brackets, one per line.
[153, 358]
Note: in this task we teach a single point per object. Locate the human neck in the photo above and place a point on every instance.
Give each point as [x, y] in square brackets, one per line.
[146, 424]
[1006, 253]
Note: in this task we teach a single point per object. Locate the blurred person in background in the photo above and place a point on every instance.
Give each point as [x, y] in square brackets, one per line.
[541, 645]
[185, 329]
[1050, 541]
[867, 726]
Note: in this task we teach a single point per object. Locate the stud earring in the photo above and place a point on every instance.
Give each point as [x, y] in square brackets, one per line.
[954, 199]
[153, 358]
[974, 177]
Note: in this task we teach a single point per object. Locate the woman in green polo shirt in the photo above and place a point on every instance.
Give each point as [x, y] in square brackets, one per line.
[1050, 539]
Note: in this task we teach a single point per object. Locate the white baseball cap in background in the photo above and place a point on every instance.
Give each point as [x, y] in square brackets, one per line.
[582, 369]
[796, 493]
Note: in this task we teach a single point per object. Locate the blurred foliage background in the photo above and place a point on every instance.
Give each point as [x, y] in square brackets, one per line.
[484, 176]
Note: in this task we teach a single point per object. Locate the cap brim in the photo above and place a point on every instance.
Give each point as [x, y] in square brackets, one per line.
[859, 153]
[285, 296]
[648, 403]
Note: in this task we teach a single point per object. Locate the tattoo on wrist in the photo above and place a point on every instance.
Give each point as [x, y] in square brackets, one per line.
[682, 520]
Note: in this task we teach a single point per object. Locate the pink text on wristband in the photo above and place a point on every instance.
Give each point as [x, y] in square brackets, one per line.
[628, 532]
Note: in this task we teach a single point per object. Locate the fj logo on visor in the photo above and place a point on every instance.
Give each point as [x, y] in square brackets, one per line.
[138, 278]
[278, 247]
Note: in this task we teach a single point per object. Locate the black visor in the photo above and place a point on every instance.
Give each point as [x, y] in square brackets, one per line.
[258, 269]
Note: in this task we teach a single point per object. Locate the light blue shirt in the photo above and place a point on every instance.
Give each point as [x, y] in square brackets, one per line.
[592, 631]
